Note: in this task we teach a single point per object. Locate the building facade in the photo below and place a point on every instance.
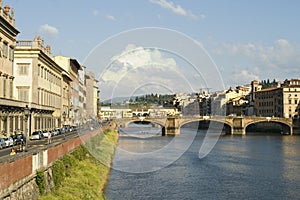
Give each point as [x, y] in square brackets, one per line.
[11, 110]
[92, 96]
[72, 67]
[82, 95]
[278, 102]
[38, 82]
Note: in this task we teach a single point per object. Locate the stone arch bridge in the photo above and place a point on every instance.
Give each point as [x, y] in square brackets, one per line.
[237, 124]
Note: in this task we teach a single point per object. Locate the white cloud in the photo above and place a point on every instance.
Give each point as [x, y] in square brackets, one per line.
[144, 70]
[281, 54]
[280, 60]
[244, 76]
[48, 31]
[136, 58]
[177, 9]
[110, 17]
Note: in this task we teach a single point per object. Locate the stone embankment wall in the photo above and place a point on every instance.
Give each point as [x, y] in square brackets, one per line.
[17, 177]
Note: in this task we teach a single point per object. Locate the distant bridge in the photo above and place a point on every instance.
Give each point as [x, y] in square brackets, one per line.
[237, 124]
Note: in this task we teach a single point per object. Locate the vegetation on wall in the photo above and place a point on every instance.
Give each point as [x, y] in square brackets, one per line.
[40, 181]
[80, 175]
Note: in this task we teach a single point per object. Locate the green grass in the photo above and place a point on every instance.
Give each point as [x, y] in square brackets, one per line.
[84, 176]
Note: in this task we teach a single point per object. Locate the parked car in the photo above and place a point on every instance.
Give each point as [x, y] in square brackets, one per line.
[55, 132]
[2, 143]
[36, 135]
[9, 142]
[64, 130]
[45, 133]
[58, 131]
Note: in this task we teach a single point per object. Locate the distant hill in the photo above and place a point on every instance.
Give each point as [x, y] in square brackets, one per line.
[117, 100]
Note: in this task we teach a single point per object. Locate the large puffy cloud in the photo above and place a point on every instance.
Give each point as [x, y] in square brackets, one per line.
[139, 70]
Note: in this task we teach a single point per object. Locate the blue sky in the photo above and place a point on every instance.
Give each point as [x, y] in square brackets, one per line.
[246, 40]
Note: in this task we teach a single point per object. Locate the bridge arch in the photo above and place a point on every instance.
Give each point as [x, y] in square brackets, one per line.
[160, 122]
[144, 120]
[225, 122]
[289, 126]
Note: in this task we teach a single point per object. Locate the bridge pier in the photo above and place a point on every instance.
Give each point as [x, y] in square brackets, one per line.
[238, 127]
[238, 131]
[171, 126]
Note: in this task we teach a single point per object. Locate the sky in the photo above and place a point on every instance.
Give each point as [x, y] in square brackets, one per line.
[166, 46]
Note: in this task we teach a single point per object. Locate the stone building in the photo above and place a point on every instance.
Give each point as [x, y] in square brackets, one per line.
[82, 95]
[72, 109]
[281, 101]
[11, 110]
[38, 82]
[92, 96]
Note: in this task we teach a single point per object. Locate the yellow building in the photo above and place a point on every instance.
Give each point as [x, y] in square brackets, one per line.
[107, 113]
[92, 95]
[72, 108]
[11, 110]
[38, 82]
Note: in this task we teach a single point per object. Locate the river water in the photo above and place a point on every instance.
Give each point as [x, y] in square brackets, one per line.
[238, 167]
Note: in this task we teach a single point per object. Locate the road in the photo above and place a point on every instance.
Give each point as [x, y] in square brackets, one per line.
[35, 144]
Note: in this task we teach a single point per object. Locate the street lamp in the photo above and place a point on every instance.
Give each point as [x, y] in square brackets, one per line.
[27, 115]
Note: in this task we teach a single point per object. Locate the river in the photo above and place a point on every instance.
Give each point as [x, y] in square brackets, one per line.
[238, 167]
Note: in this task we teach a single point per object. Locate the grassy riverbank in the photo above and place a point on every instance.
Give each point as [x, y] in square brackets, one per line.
[83, 174]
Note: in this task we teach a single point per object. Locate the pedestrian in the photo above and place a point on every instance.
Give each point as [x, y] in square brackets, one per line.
[12, 152]
[49, 137]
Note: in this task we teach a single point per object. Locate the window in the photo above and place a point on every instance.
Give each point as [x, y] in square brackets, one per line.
[23, 94]
[11, 53]
[11, 89]
[39, 96]
[42, 71]
[42, 97]
[16, 122]
[4, 50]
[290, 101]
[4, 87]
[296, 101]
[23, 69]
[11, 123]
